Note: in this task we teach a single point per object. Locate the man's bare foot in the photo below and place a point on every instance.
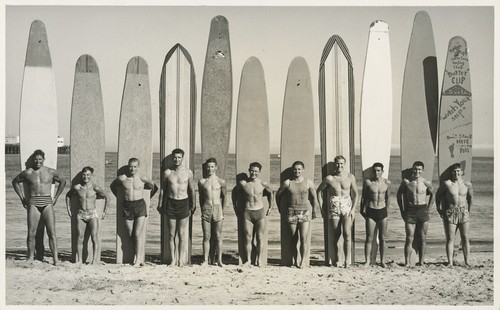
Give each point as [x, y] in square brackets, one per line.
[367, 264]
[407, 265]
[383, 264]
[204, 264]
[220, 264]
[56, 262]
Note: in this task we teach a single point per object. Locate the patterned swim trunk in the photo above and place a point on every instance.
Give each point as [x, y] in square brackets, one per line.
[297, 216]
[339, 207]
[457, 215]
[87, 215]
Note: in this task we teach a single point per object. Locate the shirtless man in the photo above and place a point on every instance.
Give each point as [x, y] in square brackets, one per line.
[374, 203]
[132, 185]
[177, 201]
[86, 192]
[212, 192]
[249, 194]
[453, 201]
[414, 206]
[301, 195]
[38, 202]
[341, 205]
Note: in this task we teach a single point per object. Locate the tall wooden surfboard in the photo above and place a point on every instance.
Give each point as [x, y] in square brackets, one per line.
[134, 140]
[87, 141]
[376, 107]
[297, 143]
[336, 112]
[252, 141]
[177, 126]
[216, 96]
[38, 106]
[455, 117]
[419, 102]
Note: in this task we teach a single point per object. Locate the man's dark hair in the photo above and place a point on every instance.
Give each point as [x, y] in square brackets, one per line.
[418, 163]
[377, 164]
[211, 160]
[178, 151]
[88, 168]
[298, 162]
[256, 164]
[39, 152]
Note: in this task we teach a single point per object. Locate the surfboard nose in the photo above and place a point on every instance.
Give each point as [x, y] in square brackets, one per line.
[379, 25]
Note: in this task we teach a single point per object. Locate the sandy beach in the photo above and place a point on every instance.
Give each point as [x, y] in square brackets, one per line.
[41, 283]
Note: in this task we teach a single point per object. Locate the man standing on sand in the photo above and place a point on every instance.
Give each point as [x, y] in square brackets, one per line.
[86, 192]
[342, 199]
[38, 180]
[453, 202]
[374, 203]
[132, 185]
[178, 205]
[301, 196]
[414, 206]
[247, 203]
[212, 193]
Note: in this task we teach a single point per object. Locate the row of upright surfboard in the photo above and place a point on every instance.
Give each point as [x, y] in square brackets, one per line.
[421, 120]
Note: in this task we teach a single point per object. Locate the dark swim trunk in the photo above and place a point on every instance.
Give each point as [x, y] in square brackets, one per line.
[255, 215]
[134, 209]
[40, 202]
[376, 214]
[417, 214]
[178, 209]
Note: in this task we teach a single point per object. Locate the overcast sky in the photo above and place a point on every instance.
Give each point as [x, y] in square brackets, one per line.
[114, 34]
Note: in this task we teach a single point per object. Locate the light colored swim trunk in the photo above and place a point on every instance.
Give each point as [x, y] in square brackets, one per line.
[339, 207]
[457, 215]
[87, 215]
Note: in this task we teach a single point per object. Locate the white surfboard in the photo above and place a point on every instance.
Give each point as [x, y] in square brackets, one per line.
[87, 142]
[38, 122]
[376, 107]
[252, 142]
[177, 127]
[134, 140]
[336, 102]
[297, 143]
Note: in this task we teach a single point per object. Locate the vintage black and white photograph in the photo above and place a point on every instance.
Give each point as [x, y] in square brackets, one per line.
[248, 154]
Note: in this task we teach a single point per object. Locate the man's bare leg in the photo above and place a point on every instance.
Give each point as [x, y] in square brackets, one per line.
[464, 235]
[260, 228]
[139, 240]
[304, 245]
[423, 243]
[34, 219]
[49, 218]
[94, 235]
[382, 228]
[172, 253]
[410, 230]
[129, 224]
[337, 232]
[290, 244]
[207, 234]
[450, 241]
[218, 238]
[370, 226]
[346, 227]
[79, 237]
[183, 232]
[248, 227]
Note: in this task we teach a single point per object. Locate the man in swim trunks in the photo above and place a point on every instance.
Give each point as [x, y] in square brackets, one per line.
[342, 199]
[212, 193]
[301, 196]
[374, 203]
[86, 193]
[414, 206]
[249, 207]
[177, 201]
[37, 200]
[453, 201]
[132, 186]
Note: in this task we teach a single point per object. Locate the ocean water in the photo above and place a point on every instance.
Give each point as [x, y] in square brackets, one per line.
[481, 226]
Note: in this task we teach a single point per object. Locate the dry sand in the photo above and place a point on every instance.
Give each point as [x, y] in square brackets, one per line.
[41, 283]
